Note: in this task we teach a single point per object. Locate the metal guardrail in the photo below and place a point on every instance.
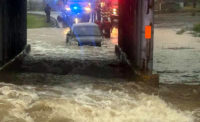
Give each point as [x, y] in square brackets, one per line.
[20, 56]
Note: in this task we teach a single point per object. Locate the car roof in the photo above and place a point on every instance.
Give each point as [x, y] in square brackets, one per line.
[85, 24]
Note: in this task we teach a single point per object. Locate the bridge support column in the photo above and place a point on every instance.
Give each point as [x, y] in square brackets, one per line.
[134, 17]
[12, 29]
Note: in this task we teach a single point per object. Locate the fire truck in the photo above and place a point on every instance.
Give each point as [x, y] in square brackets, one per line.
[107, 15]
[115, 12]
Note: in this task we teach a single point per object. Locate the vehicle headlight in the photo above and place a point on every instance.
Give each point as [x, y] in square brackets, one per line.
[115, 11]
[68, 9]
[87, 9]
[102, 4]
[76, 20]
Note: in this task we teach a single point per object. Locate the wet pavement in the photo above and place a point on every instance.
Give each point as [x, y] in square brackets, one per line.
[176, 56]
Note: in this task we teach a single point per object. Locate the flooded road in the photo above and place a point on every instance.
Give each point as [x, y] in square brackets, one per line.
[96, 90]
[76, 97]
[51, 42]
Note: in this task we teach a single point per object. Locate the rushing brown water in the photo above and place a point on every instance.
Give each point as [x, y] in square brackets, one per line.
[75, 98]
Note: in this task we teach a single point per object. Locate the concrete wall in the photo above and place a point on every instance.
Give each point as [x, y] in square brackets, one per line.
[134, 16]
[13, 28]
[1, 41]
[147, 17]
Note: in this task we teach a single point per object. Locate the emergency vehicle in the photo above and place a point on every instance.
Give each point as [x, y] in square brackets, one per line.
[75, 11]
[107, 15]
[102, 12]
[115, 12]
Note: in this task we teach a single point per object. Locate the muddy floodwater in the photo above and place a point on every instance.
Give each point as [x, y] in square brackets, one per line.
[58, 82]
[76, 98]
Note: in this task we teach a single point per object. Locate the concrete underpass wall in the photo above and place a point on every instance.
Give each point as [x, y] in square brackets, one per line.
[1, 47]
[134, 16]
[12, 28]
[146, 60]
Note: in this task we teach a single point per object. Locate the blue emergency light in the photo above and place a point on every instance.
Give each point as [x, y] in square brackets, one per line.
[75, 7]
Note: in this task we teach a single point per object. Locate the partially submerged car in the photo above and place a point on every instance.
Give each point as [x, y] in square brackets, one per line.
[85, 34]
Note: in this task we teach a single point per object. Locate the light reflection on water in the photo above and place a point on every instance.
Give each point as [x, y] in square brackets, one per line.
[114, 36]
[65, 31]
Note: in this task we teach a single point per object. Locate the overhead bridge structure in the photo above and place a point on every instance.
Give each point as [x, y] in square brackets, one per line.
[135, 32]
